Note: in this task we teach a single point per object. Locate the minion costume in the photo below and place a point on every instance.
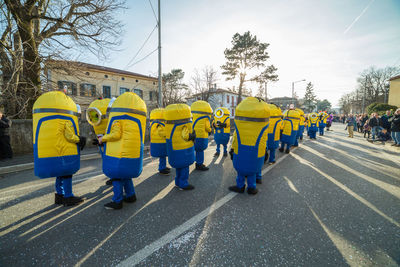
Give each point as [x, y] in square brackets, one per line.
[96, 115]
[158, 143]
[123, 148]
[222, 126]
[301, 127]
[322, 116]
[56, 143]
[313, 124]
[274, 131]
[290, 126]
[249, 142]
[180, 142]
[201, 112]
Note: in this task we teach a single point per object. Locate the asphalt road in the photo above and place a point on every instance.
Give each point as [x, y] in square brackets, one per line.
[333, 201]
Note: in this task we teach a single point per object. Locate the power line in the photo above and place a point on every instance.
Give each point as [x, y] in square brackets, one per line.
[140, 60]
[140, 49]
[154, 13]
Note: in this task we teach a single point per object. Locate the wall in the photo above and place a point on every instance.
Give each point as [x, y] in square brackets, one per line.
[394, 93]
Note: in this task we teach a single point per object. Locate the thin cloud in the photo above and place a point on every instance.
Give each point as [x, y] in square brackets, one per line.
[359, 16]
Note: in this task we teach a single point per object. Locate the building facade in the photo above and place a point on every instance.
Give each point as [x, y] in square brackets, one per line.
[394, 91]
[284, 102]
[87, 82]
[219, 98]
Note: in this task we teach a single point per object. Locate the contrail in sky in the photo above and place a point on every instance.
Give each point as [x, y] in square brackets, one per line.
[359, 16]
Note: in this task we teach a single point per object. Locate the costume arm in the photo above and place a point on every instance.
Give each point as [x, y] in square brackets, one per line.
[69, 133]
[115, 133]
[161, 132]
[208, 126]
[185, 133]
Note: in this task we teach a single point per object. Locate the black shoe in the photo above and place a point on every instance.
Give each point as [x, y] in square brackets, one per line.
[188, 187]
[109, 182]
[252, 191]
[295, 145]
[281, 149]
[164, 172]
[258, 181]
[130, 199]
[225, 154]
[168, 169]
[113, 205]
[301, 137]
[70, 201]
[58, 199]
[236, 189]
[287, 151]
[216, 154]
[201, 167]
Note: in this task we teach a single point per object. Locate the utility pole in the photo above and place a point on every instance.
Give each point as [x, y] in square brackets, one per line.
[160, 100]
[266, 95]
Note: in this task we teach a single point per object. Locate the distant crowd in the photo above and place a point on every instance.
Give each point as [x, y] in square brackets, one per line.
[374, 127]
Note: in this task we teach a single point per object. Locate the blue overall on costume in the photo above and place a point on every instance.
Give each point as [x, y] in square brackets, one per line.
[299, 134]
[122, 170]
[289, 140]
[221, 138]
[200, 144]
[321, 127]
[273, 144]
[159, 150]
[180, 159]
[246, 161]
[312, 130]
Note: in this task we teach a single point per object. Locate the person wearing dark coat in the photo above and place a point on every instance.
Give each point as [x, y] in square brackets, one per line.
[5, 146]
[395, 127]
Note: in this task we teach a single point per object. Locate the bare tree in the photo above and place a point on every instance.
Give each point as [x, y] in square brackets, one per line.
[268, 75]
[46, 29]
[203, 82]
[174, 90]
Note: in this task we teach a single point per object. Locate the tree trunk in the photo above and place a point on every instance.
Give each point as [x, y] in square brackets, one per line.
[241, 82]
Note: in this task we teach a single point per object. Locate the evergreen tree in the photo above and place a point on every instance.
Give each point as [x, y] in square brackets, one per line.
[309, 98]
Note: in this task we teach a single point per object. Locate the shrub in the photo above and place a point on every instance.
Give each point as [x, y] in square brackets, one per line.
[380, 108]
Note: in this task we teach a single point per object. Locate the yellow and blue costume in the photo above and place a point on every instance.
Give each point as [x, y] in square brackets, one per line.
[158, 143]
[56, 142]
[313, 124]
[96, 115]
[322, 117]
[290, 126]
[124, 143]
[222, 126]
[301, 127]
[274, 130]
[249, 142]
[201, 112]
[180, 146]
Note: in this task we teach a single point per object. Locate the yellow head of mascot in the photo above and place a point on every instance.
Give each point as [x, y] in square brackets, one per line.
[274, 128]
[124, 138]
[250, 137]
[313, 120]
[178, 130]
[302, 118]
[55, 135]
[222, 125]
[96, 115]
[158, 147]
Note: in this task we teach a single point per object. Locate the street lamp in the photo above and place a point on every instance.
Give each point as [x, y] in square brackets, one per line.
[293, 88]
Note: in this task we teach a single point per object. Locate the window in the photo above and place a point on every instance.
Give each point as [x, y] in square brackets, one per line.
[71, 87]
[233, 112]
[233, 101]
[137, 81]
[123, 78]
[106, 91]
[87, 73]
[123, 90]
[153, 96]
[87, 89]
[138, 92]
[105, 76]
[227, 99]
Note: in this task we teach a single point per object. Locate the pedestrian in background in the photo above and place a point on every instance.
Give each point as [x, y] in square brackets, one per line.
[395, 127]
[5, 146]
[351, 122]
[367, 129]
[374, 123]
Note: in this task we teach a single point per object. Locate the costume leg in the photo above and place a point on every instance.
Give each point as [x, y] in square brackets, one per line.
[184, 177]
[128, 187]
[225, 148]
[258, 176]
[218, 149]
[296, 141]
[272, 155]
[67, 185]
[177, 177]
[200, 157]
[162, 163]
[251, 181]
[59, 186]
[240, 179]
[117, 189]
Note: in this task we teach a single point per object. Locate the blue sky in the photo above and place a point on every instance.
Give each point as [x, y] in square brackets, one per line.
[327, 42]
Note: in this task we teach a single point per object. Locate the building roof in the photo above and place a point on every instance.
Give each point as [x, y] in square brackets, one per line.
[284, 98]
[101, 68]
[219, 91]
[394, 78]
